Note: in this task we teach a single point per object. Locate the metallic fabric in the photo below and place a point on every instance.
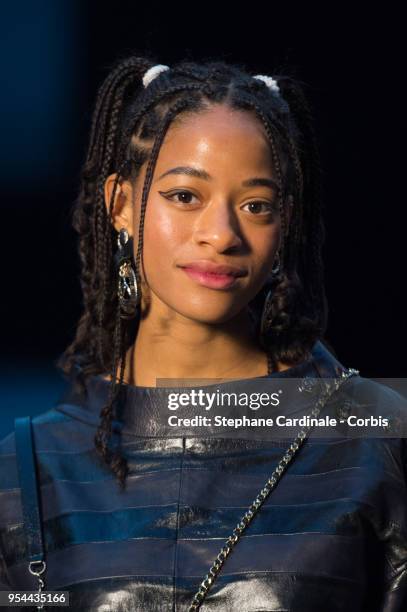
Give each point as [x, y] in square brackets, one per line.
[331, 537]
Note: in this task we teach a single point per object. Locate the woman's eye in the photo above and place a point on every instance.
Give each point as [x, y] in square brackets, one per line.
[184, 196]
[256, 207]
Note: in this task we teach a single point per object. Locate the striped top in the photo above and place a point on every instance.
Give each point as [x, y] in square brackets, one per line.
[332, 536]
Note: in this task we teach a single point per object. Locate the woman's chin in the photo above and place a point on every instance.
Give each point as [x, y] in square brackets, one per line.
[210, 316]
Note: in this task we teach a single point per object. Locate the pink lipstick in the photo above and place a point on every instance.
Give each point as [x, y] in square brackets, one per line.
[210, 274]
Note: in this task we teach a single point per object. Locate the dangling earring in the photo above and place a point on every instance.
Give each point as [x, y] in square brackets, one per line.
[276, 267]
[128, 292]
[266, 318]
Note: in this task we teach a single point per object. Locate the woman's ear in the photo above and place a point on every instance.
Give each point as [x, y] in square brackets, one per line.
[122, 213]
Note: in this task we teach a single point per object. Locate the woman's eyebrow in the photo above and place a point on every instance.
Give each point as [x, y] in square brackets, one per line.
[202, 174]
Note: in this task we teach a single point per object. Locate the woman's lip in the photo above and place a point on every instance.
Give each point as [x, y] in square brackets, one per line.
[213, 281]
[210, 267]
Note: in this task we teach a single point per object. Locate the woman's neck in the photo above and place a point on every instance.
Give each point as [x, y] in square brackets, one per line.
[185, 349]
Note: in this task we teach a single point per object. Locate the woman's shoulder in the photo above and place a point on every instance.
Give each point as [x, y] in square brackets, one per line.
[56, 436]
[372, 396]
[389, 394]
[373, 413]
[51, 430]
[44, 434]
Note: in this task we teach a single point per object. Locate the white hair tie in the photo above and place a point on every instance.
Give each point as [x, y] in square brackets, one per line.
[269, 81]
[152, 72]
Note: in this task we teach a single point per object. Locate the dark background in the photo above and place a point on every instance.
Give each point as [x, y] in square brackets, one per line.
[54, 55]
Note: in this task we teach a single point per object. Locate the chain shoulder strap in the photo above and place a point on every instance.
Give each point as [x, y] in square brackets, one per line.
[30, 499]
[245, 521]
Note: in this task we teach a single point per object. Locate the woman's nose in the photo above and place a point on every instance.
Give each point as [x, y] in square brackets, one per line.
[217, 225]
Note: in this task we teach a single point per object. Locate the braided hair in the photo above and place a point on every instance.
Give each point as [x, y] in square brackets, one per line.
[128, 127]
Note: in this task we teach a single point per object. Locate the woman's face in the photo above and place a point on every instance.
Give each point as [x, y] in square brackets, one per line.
[205, 209]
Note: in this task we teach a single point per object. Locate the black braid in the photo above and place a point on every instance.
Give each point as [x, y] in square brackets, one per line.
[313, 184]
[128, 127]
[150, 170]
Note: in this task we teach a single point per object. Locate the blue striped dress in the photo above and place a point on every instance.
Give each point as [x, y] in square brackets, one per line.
[332, 535]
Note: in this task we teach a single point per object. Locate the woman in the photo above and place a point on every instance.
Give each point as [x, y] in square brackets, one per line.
[200, 235]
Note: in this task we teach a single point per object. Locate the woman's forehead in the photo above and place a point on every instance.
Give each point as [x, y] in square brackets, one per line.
[218, 118]
[217, 138]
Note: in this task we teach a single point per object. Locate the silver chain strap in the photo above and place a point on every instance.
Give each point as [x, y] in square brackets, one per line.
[41, 583]
[263, 495]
